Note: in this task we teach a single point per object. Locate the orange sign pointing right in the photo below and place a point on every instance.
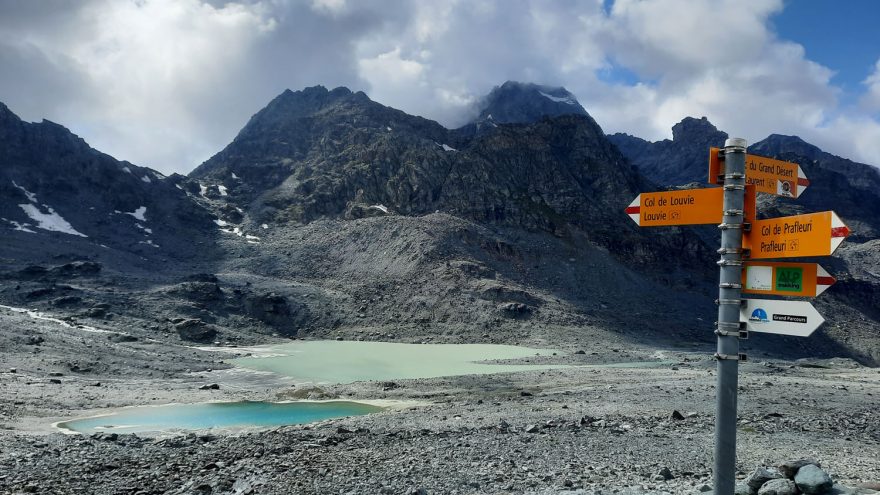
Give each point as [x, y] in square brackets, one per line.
[813, 234]
[785, 279]
[768, 175]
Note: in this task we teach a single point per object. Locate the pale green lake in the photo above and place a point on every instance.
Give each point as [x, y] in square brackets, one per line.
[330, 361]
[225, 415]
[327, 361]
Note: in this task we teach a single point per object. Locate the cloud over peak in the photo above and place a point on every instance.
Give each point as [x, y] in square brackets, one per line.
[166, 83]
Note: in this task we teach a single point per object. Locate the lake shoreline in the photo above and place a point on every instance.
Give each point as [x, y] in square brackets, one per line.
[590, 427]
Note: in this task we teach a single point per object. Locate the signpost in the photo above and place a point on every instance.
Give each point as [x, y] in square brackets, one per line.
[813, 234]
[785, 279]
[732, 208]
[798, 318]
[768, 175]
[684, 207]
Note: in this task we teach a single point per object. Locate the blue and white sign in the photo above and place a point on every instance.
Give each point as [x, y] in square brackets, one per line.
[796, 318]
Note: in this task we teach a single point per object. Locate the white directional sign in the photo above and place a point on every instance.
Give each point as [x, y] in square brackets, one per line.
[796, 318]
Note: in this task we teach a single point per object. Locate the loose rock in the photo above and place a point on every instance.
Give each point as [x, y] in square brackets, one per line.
[779, 486]
[812, 480]
[760, 476]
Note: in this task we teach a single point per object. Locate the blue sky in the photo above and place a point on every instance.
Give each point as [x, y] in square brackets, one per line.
[168, 83]
[843, 35]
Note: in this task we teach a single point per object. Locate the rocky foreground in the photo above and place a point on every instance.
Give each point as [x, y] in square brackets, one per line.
[591, 430]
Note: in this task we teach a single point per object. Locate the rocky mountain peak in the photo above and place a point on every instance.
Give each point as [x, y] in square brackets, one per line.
[777, 144]
[291, 105]
[518, 102]
[6, 114]
[673, 162]
[692, 129]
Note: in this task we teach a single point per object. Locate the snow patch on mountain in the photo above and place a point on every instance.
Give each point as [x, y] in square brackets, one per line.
[139, 213]
[51, 221]
[568, 100]
[30, 196]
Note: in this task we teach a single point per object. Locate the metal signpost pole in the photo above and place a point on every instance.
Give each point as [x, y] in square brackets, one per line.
[729, 301]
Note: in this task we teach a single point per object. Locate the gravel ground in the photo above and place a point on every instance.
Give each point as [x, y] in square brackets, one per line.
[580, 430]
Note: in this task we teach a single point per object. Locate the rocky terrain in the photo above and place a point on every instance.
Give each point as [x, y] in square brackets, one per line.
[587, 430]
[333, 216]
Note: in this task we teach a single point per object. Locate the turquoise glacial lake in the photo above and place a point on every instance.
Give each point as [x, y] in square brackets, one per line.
[330, 361]
[225, 415]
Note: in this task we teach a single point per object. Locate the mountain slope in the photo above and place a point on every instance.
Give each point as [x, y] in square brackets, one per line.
[54, 186]
[331, 215]
[316, 153]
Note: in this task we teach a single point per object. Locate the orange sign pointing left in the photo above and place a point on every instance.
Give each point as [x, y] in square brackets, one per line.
[685, 207]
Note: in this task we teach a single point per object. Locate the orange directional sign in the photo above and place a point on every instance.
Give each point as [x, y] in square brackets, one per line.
[813, 234]
[767, 174]
[785, 279]
[685, 207]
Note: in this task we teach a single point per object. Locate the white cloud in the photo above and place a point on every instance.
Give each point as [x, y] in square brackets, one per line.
[871, 100]
[167, 83]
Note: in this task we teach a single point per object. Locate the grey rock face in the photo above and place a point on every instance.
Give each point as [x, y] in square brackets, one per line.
[55, 188]
[682, 160]
[316, 153]
[778, 487]
[812, 480]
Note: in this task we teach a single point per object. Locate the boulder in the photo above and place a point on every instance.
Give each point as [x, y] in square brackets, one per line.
[780, 486]
[812, 480]
[760, 476]
[743, 489]
[515, 309]
[664, 474]
[195, 330]
[278, 311]
[790, 468]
